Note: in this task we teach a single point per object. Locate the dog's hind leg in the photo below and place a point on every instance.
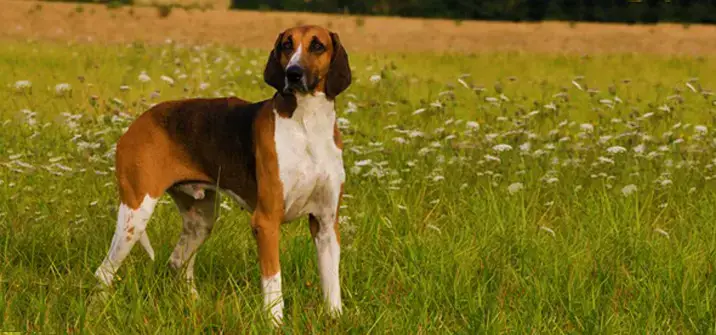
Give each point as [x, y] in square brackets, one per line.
[131, 226]
[198, 220]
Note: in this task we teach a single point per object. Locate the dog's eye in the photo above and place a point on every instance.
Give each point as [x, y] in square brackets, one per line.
[288, 45]
[317, 47]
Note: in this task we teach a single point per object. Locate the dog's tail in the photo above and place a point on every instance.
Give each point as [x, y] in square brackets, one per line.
[144, 241]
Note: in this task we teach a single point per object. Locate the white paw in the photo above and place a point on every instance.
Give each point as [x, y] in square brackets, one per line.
[276, 313]
[335, 310]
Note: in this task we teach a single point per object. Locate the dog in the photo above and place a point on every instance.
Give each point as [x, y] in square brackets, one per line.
[280, 159]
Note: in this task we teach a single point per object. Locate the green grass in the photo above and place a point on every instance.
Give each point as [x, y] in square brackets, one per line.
[434, 241]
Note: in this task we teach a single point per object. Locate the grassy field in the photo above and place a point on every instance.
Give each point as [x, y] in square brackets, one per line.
[495, 193]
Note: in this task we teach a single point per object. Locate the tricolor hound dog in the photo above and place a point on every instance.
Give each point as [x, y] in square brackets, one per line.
[280, 159]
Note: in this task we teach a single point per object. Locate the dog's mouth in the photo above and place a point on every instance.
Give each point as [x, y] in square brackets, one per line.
[305, 85]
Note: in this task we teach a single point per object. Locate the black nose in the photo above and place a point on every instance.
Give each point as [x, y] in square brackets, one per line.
[294, 74]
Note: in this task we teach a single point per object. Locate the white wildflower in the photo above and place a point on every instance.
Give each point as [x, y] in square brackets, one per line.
[418, 111]
[167, 80]
[640, 148]
[342, 122]
[628, 190]
[493, 158]
[514, 188]
[587, 127]
[375, 78]
[502, 147]
[616, 149]
[551, 180]
[424, 151]
[143, 77]
[701, 129]
[23, 85]
[363, 162]
[490, 137]
[415, 133]
[62, 88]
[472, 125]
[352, 108]
[525, 147]
[203, 86]
[63, 167]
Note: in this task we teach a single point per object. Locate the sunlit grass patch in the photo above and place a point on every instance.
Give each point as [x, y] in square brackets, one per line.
[485, 193]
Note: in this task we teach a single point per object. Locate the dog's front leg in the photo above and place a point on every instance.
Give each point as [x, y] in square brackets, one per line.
[324, 229]
[266, 229]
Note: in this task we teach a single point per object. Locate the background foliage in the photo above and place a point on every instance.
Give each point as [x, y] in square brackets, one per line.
[629, 11]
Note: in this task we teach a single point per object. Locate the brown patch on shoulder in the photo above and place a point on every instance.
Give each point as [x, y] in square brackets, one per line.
[269, 188]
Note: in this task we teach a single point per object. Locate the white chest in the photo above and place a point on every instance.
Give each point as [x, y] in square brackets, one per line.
[310, 164]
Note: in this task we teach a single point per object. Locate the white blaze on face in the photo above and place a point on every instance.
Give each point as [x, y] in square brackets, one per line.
[295, 60]
[296, 57]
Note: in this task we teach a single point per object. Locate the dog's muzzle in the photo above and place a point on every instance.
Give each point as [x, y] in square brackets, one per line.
[295, 79]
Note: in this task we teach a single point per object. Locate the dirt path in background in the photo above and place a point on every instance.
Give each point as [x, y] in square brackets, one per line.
[67, 21]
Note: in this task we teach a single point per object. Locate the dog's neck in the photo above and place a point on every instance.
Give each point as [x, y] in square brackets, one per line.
[299, 106]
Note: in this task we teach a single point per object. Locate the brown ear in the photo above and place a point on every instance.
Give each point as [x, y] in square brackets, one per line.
[339, 73]
[274, 73]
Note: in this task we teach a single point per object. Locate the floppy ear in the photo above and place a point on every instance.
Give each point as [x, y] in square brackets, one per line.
[339, 73]
[274, 73]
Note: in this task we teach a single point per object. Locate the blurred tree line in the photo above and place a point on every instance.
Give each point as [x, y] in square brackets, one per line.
[626, 11]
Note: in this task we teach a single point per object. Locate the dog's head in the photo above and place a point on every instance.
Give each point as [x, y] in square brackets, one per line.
[308, 59]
